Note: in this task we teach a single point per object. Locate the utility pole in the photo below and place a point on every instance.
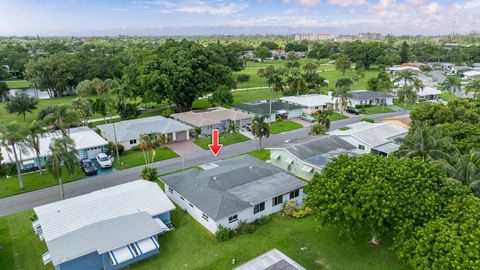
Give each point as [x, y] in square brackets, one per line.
[115, 140]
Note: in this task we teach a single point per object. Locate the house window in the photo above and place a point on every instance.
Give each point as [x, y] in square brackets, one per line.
[233, 218]
[205, 217]
[170, 190]
[361, 147]
[277, 200]
[259, 207]
[191, 205]
[294, 194]
[133, 141]
[134, 249]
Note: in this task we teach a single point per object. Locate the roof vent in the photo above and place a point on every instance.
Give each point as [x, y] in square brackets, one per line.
[214, 178]
[251, 167]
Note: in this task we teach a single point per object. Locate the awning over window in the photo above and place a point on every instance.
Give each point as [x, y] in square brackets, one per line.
[307, 169]
[121, 255]
[46, 257]
[147, 245]
[289, 161]
[162, 225]
[275, 156]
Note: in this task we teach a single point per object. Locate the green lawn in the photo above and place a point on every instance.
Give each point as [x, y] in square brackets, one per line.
[225, 139]
[32, 181]
[190, 246]
[336, 116]
[18, 84]
[283, 126]
[136, 158]
[263, 154]
[447, 96]
[377, 110]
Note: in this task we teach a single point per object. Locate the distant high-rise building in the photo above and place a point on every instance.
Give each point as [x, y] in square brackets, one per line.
[369, 35]
[300, 37]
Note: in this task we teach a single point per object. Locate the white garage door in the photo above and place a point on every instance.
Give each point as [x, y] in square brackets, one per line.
[181, 136]
[92, 152]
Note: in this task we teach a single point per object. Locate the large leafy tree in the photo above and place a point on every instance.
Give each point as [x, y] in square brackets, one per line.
[84, 109]
[260, 128]
[385, 194]
[222, 96]
[296, 83]
[61, 117]
[343, 64]
[262, 52]
[180, 71]
[404, 52]
[12, 137]
[63, 155]
[365, 53]
[21, 105]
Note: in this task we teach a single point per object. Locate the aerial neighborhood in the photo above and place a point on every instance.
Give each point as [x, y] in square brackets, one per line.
[243, 148]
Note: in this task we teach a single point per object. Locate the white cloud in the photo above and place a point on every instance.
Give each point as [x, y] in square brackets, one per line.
[220, 9]
[307, 3]
[119, 9]
[347, 3]
[472, 4]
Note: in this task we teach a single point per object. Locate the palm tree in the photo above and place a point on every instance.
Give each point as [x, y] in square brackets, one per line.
[425, 142]
[62, 154]
[296, 83]
[406, 76]
[464, 169]
[384, 87]
[452, 84]
[12, 136]
[232, 128]
[344, 98]
[260, 129]
[406, 94]
[146, 142]
[35, 131]
[84, 109]
[151, 142]
[122, 92]
[473, 86]
[323, 118]
[62, 117]
[417, 87]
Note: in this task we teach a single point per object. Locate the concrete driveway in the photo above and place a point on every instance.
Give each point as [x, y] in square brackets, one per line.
[185, 148]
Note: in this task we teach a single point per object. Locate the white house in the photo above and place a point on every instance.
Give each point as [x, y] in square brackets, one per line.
[278, 109]
[472, 75]
[397, 69]
[367, 97]
[306, 156]
[379, 138]
[128, 132]
[234, 191]
[311, 103]
[425, 94]
[87, 142]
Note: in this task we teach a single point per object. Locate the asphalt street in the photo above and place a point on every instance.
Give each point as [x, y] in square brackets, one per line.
[29, 200]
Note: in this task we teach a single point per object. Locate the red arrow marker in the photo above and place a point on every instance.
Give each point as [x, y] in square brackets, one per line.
[215, 147]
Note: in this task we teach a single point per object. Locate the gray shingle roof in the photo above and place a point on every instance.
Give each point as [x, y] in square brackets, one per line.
[236, 184]
[367, 95]
[307, 147]
[132, 129]
[103, 237]
[263, 107]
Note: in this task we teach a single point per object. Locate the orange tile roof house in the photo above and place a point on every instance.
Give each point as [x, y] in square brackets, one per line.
[213, 118]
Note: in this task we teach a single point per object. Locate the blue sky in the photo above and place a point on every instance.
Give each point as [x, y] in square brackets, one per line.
[188, 17]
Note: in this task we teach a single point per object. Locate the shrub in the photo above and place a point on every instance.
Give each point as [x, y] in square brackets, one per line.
[198, 131]
[303, 211]
[223, 234]
[275, 57]
[111, 148]
[243, 78]
[263, 220]
[8, 169]
[289, 208]
[282, 57]
[149, 173]
[278, 119]
[135, 148]
[363, 106]
[245, 228]
[369, 120]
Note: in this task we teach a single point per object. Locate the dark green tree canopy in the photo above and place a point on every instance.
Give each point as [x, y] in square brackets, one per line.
[21, 104]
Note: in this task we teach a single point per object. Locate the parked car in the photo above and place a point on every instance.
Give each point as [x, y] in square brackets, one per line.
[88, 167]
[104, 161]
[307, 117]
[353, 111]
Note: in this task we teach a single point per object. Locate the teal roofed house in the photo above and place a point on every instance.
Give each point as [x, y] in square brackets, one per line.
[106, 229]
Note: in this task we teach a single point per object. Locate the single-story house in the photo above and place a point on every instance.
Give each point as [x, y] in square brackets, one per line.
[472, 75]
[128, 132]
[378, 138]
[279, 109]
[233, 191]
[425, 94]
[271, 260]
[106, 229]
[311, 103]
[87, 142]
[213, 118]
[397, 69]
[367, 97]
[306, 156]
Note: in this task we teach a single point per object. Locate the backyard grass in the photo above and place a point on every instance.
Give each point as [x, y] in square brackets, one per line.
[263, 154]
[377, 110]
[190, 246]
[135, 158]
[33, 181]
[18, 84]
[283, 126]
[225, 139]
